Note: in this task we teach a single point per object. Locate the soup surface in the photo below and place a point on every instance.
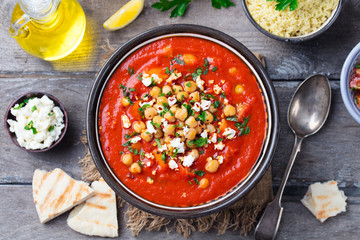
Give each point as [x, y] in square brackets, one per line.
[182, 121]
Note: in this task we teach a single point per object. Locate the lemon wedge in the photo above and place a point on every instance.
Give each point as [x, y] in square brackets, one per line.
[125, 15]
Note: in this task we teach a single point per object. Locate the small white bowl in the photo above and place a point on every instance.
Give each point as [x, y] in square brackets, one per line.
[347, 72]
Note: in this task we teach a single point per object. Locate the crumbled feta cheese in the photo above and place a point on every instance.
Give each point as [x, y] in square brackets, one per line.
[125, 121]
[222, 81]
[159, 108]
[148, 164]
[196, 107]
[205, 104]
[186, 130]
[153, 172]
[211, 81]
[164, 122]
[172, 164]
[220, 159]
[150, 103]
[213, 138]
[229, 133]
[146, 81]
[163, 148]
[200, 83]
[188, 160]
[156, 78]
[149, 155]
[226, 102]
[150, 127]
[135, 139]
[171, 101]
[204, 134]
[176, 143]
[217, 89]
[39, 115]
[219, 146]
[175, 75]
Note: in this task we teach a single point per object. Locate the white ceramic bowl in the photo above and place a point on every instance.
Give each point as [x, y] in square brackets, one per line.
[347, 72]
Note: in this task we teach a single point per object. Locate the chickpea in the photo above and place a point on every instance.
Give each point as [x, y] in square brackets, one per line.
[167, 139]
[159, 133]
[127, 159]
[150, 113]
[239, 89]
[173, 109]
[211, 128]
[169, 117]
[169, 129]
[138, 126]
[161, 141]
[212, 166]
[190, 144]
[190, 86]
[146, 136]
[167, 90]
[209, 117]
[180, 134]
[194, 153]
[229, 110]
[212, 109]
[125, 102]
[191, 122]
[191, 134]
[199, 129]
[177, 88]
[181, 114]
[135, 168]
[182, 95]
[157, 120]
[155, 92]
[204, 183]
[195, 96]
[161, 100]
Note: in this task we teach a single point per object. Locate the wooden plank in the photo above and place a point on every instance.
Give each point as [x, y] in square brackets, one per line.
[17, 207]
[325, 54]
[330, 154]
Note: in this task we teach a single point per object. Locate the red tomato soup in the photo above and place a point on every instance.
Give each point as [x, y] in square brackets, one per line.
[182, 121]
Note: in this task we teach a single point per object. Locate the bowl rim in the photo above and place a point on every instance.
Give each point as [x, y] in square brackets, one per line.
[110, 66]
[323, 28]
[346, 92]
[21, 98]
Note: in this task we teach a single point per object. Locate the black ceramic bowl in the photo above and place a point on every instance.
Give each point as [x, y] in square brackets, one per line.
[19, 100]
[297, 39]
[258, 169]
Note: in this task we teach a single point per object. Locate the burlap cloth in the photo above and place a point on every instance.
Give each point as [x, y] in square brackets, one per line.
[240, 216]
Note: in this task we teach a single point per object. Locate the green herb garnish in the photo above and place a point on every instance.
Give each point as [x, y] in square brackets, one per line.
[30, 126]
[51, 128]
[214, 69]
[158, 143]
[131, 71]
[206, 63]
[217, 104]
[232, 118]
[196, 181]
[199, 173]
[163, 157]
[281, 5]
[199, 142]
[177, 60]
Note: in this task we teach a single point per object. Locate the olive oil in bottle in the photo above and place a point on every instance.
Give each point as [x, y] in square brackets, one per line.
[48, 29]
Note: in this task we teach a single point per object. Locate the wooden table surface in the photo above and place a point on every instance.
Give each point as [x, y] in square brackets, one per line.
[333, 153]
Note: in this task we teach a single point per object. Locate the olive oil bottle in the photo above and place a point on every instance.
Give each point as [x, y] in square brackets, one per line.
[48, 29]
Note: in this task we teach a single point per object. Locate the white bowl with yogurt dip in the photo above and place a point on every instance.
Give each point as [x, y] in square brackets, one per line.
[36, 121]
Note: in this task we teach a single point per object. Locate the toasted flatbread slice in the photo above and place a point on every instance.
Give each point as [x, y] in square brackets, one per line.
[98, 215]
[324, 200]
[56, 192]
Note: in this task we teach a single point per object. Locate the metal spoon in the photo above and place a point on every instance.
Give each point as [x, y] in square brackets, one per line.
[307, 113]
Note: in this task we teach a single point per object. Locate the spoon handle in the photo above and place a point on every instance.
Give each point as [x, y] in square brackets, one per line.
[270, 220]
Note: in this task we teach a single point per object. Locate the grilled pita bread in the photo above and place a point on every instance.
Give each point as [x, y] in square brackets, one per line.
[98, 215]
[325, 200]
[56, 192]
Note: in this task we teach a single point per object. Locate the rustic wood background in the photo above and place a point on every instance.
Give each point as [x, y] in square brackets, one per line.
[333, 153]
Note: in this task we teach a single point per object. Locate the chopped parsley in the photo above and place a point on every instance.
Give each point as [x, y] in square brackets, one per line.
[200, 142]
[199, 173]
[196, 181]
[188, 84]
[214, 68]
[223, 95]
[206, 63]
[139, 77]
[232, 118]
[158, 143]
[51, 128]
[20, 106]
[141, 110]
[217, 104]
[131, 71]
[50, 114]
[242, 127]
[190, 182]
[177, 60]
[197, 73]
[163, 157]
[128, 136]
[202, 116]
[30, 126]
[281, 5]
